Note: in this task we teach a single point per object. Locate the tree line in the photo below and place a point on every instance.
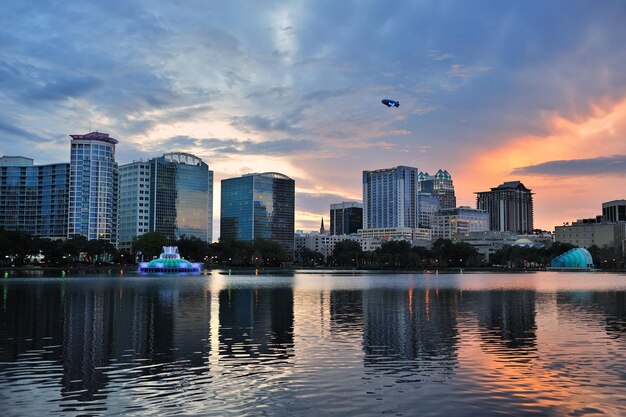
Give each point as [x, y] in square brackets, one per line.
[18, 248]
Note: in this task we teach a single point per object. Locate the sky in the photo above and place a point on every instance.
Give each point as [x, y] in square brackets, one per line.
[491, 91]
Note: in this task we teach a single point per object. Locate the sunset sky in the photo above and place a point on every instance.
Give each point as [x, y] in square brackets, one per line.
[489, 90]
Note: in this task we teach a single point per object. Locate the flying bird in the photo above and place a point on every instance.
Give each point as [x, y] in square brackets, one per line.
[390, 103]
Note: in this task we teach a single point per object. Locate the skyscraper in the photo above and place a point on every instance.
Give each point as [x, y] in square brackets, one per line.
[258, 206]
[134, 211]
[34, 198]
[181, 196]
[510, 207]
[93, 187]
[171, 194]
[390, 198]
[346, 218]
[439, 185]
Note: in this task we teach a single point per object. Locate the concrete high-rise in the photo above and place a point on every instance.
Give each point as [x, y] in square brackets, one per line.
[439, 185]
[93, 201]
[258, 206]
[510, 207]
[134, 210]
[390, 198]
[346, 218]
[34, 198]
[171, 194]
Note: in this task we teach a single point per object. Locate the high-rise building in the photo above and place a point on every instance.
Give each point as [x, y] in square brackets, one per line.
[390, 198]
[456, 222]
[171, 194]
[181, 196]
[510, 207]
[258, 206]
[346, 218]
[428, 206]
[439, 185]
[34, 198]
[614, 211]
[134, 210]
[93, 201]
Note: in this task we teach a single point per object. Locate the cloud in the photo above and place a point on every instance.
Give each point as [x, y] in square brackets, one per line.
[605, 165]
[278, 147]
[8, 128]
[258, 123]
[463, 72]
[438, 55]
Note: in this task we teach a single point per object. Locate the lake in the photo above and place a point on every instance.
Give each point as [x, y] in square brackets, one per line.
[315, 343]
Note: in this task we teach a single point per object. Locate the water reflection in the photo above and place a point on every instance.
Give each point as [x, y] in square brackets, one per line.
[233, 345]
[411, 331]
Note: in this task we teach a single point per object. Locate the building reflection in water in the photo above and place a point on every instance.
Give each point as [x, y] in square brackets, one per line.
[506, 321]
[411, 332]
[255, 325]
[88, 337]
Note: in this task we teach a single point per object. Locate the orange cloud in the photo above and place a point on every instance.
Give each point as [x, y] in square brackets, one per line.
[557, 198]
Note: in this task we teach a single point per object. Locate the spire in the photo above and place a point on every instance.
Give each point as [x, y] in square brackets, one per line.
[322, 231]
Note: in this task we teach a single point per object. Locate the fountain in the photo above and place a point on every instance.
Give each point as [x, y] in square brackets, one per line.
[169, 262]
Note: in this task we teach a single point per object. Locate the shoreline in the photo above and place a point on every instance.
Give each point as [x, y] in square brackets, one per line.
[122, 269]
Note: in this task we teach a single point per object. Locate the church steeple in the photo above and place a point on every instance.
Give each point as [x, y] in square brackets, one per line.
[322, 230]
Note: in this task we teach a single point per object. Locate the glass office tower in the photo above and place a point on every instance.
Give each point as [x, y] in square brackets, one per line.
[346, 218]
[171, 194]
[259, 206]
[390, 198]
[93, 201]
[34, 198]
[181, 196]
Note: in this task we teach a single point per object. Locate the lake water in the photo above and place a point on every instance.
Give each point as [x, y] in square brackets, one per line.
[315, 343]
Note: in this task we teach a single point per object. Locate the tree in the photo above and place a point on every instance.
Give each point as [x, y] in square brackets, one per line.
[192, 248]
[149, 244]
[347, 253]
[308, 257]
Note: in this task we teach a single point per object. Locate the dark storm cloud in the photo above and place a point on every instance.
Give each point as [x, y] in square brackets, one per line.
[615, 164]
[277, 147]
[9, 129]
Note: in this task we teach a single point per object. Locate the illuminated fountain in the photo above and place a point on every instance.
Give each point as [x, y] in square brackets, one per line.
[169, 262]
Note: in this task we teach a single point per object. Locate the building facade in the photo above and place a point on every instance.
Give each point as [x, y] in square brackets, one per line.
[510, 207]
[181, 197]
[93, 201]
[439, 185]
[428, 206]
[346, 218]
[171, 194]
[390, 198]
[134, 210]
[258, 206]
[325, 244]
[34, 198]
[456, 222]
[588, 232]
[614, 211]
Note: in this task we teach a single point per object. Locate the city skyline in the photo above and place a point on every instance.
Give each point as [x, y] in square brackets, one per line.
[491, 93]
